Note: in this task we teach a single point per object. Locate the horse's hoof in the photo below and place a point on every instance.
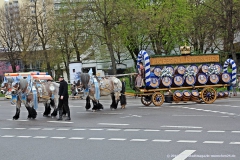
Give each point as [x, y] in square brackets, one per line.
[93, 110]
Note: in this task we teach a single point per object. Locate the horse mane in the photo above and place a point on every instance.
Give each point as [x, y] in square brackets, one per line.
[85, 77]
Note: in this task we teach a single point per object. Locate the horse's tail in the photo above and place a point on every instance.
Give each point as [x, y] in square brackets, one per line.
[85, 77]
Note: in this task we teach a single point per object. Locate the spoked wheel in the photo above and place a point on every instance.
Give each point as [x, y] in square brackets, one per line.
[157, 99]
[146, 100]
[208, 95]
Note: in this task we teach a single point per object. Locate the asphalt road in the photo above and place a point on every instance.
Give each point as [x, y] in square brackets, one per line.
[172, 131]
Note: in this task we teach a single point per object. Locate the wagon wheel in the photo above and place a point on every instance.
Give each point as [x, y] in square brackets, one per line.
[146, 100]
[157, 99]
[208, 95]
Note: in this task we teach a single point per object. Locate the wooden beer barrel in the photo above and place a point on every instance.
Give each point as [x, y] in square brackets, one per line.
[194, 95]
[180, 69]
[171, 69]
[166, 81]
[194, 67]
[186, 95]
[201, 79]
[218, 67]
[203, 68]
[213, 79]
[157, 71]
[177, 96]
[190, 80]
[155, 82]
[178, 81]
[225, 78]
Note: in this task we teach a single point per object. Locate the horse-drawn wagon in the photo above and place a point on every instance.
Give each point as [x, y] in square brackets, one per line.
[185, 78]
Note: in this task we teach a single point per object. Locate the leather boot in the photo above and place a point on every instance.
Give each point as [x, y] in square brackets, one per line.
[68, 116]
[60, 115]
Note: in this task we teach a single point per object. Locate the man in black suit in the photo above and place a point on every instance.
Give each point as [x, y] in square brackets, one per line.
[63, 99]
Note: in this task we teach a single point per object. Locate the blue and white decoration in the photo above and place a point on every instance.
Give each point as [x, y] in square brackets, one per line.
[234, 69]
[143, 56]
[94, 80]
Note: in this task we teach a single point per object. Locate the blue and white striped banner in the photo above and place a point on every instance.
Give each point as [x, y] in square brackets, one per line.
[143, 56]
[234, 69]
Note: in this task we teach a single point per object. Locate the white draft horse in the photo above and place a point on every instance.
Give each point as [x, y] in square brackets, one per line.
[100, 87]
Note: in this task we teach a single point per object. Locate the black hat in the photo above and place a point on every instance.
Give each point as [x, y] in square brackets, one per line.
[61, 76]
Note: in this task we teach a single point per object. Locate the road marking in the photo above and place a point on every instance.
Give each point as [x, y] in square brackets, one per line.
[59, 122]
[235, 106]
[215, 142]
[96, 139]
[199, 109]
[34, 128]
[20, 128]
[235, 131]
[62, 129]
[79, 129]
[96, 129]
[76, 138]
[215, 111]
[6, 128]
[17, 120]
[24, 136]
[138, 140]
[161, 140]
[131, 130]
[181, 126]
[184, 155]
[187, 141]
[193, 131]
[234, 143]
[113, 124]
[40, 137]
[207, 110]
[215, 131]
[117, 139]
[48, 129]
[171, 130]
[58, 137]
[113, 129]
[8, 136]
[151, 130]
[191, 108]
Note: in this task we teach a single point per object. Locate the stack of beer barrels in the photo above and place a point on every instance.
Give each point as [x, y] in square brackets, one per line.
[188, 75]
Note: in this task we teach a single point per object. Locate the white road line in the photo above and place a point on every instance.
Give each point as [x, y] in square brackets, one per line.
[62, 129]
[181, 126]
[58, 137]
[113, 124]
[207, 110]
[131, 130]
[234, 143]
[138, 140]
[171, 130]
[191, 108]
[223, 112]
[187, 141]
[24, 136]
[40, 137]
[48, 129]
[113, 129]
[96, 139]
[96, 129]
[215, 131]
[199, 109]
[59, 122]
[235, 131]
[215, 142]
[117, 139]
[161, 140]
[17, 120]
[20, 128]
[76, 138]
[184, 155]
[8, 136]
[34, 128]
[235, 106]
[215, 111]
[6, 128]
[193, 131]
[79, 129]
[151, 130]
